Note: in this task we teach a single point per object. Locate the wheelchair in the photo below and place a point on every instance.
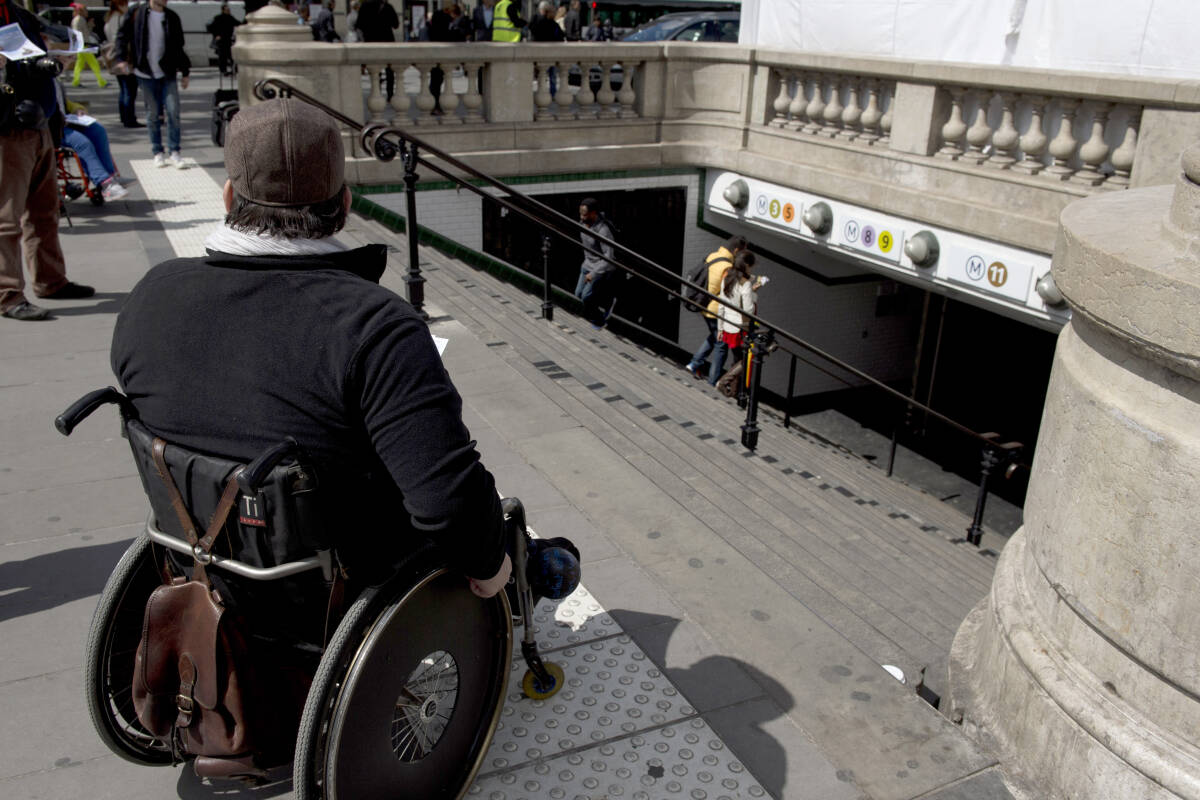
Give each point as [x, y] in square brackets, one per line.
[400, 701]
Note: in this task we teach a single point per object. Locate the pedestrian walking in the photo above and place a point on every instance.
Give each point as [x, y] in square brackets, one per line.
[127, 84]
[718, 262]
[150, 42]
[596, 274]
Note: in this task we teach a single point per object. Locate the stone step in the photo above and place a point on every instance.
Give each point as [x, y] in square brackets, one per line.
[960, 560]
[829, 571]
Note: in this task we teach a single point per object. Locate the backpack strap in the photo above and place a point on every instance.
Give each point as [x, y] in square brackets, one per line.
[201, 547]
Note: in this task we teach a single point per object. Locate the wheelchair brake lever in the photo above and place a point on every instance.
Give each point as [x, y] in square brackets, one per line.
[78, 411]
[257, 471]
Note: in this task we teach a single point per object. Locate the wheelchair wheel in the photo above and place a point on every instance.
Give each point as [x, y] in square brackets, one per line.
[408, 693]
[108, 661]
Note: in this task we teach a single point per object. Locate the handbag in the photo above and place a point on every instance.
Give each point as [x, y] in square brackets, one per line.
[194, 682]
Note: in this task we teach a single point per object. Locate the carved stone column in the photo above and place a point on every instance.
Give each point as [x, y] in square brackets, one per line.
[816, 107]
[955, 128]
[782, 100]
[799, 102]
[541, 97]
[1006, 137]
[852, 113]
[1094, 150]
[833, 110]
[871, 116]
[1035, 139]
[1064, 144]
[980, 133]
[472, 100]
[605, 95]
[1122, 157]
[1080, 667]
[449, 100]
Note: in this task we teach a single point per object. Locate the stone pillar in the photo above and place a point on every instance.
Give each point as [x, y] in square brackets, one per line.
[1082, 666]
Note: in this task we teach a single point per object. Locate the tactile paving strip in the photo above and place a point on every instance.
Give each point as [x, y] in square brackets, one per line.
[187, 202]
[576, 619]
[612, 689]
[684, 760]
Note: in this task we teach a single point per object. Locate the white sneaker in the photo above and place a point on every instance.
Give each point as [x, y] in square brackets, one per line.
[160, 159]
[113, 190]
[177, 160]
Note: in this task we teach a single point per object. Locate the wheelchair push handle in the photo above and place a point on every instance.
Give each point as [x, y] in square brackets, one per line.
[65, 422]
[257, 470]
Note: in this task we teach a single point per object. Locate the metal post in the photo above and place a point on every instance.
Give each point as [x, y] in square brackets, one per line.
[787, 412]
[547, 305]
[414, 282]
[990, 459]
[892, 452]
[759, 342]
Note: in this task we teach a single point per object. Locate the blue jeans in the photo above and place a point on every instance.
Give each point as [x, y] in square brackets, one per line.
[583, 286]
[91, 144]
[161, 95]
[128, 95]
[711, 344]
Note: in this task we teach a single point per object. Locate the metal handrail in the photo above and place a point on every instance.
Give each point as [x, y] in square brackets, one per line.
[374, 138]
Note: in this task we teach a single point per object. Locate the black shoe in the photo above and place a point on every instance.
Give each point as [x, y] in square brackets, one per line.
[70, 291]
[25, 311]
[72, 190]
[135, 124]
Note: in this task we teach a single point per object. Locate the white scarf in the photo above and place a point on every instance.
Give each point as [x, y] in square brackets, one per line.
[240, 243]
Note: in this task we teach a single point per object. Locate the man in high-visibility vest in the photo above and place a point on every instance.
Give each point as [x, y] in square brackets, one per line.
[506, 23]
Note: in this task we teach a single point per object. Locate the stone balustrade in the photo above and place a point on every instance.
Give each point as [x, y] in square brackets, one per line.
[993, 151]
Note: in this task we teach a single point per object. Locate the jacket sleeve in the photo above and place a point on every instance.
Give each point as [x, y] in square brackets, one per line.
[185, 63]
[606, 267]
[413, 416]
[515, 17]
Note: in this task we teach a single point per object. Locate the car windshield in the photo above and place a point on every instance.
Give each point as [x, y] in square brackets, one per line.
[658, 30]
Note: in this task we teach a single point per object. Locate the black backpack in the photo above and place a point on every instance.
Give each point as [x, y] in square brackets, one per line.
[697, 293]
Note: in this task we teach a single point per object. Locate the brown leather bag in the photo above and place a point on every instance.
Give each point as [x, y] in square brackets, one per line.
[194, 683]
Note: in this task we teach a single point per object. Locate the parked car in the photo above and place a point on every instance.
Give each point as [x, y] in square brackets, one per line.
[689, 26]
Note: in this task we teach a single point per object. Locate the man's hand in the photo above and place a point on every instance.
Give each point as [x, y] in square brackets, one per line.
[587, 278]
[183, 81]
[494, 584]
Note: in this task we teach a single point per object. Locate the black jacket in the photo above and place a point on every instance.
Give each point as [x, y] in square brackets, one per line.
[27, 81]
[231, 354]
[377, 21]
[133, 43]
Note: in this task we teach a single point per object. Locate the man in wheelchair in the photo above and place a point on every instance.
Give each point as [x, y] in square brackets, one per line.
[281, 334]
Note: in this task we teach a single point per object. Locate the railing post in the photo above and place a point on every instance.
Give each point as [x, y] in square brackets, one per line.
[993, 455]
[414, 282]
[759, 342]
[547, 305]
[787, 411]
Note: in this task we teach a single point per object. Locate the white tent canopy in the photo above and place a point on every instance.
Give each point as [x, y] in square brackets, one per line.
[1140, 37]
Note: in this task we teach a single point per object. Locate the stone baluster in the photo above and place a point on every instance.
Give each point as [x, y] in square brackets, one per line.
[834, 109]
[1064, 144]
[627, 97]
[955, 128]
[375, 101]
[885, 122]
[852, 113]
[605, 96]
[400, 100]
[799, 102]
[871, 115]
[1122, 157]
[472, 101]
[562, 97]
[782, 100]
[425, 100]
[816, 107]
[542, 97]
[1094, 151]
[449, 99]
[1006, 138]
[980, 133]
[1033, 142]
[585, 100]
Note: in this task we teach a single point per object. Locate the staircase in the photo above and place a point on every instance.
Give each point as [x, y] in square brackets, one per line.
[882, 562]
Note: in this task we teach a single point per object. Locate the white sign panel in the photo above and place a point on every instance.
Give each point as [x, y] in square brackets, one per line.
[775, 208]
[869, 236]
[986, 272]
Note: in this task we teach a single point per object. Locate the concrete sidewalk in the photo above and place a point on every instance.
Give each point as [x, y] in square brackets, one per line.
[68, 508]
